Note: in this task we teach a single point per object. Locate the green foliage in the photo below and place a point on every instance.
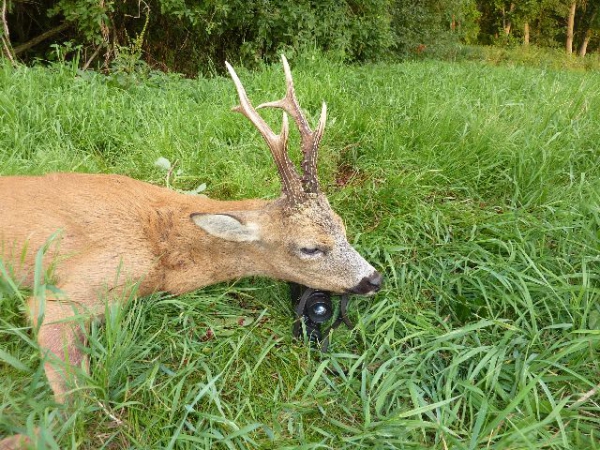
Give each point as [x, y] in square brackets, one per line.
[546, 19]
[128, 58]
[191, 37]
[88, 15]
[437, 24]
[194, 37]
[475, 188]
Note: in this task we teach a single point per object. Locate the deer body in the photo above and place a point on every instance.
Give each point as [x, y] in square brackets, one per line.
[108, 227]
[107, 236]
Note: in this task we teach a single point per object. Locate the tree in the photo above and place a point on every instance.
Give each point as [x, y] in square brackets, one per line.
[527, 11]
[504, 10]
[507, 18]
[590, 23]
[571, 26]
[7, 49]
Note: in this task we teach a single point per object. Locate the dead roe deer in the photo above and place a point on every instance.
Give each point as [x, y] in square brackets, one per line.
[111, 232]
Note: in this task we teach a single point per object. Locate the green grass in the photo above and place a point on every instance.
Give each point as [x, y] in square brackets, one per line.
[476, 189]
[518, 54]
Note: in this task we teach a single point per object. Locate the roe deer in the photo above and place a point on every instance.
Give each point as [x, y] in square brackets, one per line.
[113, 230]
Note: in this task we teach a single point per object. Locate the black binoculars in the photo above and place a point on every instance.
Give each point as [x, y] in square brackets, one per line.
[312, 308]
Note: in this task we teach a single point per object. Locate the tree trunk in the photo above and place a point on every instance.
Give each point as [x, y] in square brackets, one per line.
[584, 44]
[587, 26]
[506, 21]
[526, 33]
[7, 48]
[42, 37]
[570, 27]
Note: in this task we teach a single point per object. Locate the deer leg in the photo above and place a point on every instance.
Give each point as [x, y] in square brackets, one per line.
[16, 442]
[61, 340]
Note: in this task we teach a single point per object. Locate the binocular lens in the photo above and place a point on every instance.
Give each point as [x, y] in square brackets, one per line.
[319, 309]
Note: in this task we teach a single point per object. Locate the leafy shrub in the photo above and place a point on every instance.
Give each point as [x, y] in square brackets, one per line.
[189, 36]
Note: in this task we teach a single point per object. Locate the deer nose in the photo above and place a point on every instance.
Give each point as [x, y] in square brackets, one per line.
[375, 280]
[368, 285]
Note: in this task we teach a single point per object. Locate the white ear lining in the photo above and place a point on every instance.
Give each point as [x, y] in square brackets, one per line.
[227, 227]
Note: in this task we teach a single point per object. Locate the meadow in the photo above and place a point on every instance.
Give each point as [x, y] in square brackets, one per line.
[475, 189]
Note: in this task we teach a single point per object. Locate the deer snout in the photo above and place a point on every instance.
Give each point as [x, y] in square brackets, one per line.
[368, 285]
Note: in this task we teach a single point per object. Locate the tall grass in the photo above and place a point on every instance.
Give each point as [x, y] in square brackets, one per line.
[476, 189]
[515, 54]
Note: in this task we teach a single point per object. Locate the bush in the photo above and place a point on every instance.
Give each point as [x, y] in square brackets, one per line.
[192, 37]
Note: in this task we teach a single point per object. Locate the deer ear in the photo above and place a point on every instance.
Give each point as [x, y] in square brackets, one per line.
[227, 227]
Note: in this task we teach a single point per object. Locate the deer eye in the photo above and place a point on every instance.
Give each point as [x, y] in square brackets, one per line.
[311, 251]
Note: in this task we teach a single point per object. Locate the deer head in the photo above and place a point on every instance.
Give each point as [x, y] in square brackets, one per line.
[298, 237]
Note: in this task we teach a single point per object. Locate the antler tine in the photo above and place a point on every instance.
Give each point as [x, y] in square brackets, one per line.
[309, 162]
[309, 140]
[291, 184]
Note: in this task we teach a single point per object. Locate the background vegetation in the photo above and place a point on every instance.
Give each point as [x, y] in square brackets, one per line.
[197, 36]
[476, 189]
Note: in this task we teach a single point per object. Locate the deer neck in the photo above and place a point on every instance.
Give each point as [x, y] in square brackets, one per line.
[188, 258]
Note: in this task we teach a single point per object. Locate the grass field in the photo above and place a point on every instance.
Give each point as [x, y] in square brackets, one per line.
[475, 189]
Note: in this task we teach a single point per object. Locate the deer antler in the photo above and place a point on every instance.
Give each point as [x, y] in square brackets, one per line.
[309, 139]
[291, 184]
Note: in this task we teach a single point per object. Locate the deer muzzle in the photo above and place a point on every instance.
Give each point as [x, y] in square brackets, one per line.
[368, 285]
